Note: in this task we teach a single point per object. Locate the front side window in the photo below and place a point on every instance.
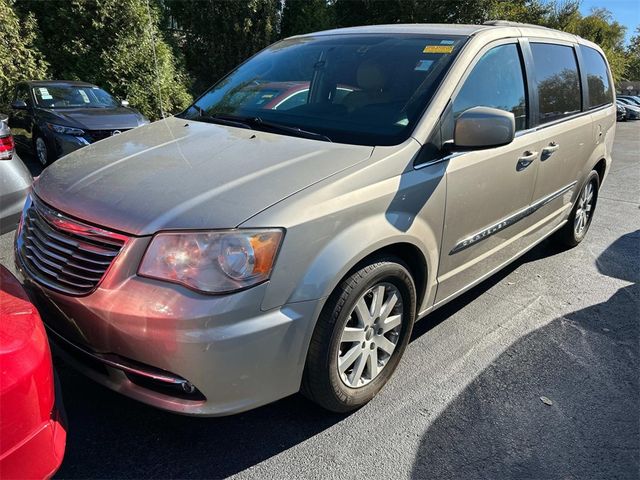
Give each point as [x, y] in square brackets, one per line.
[600, 91]
[368, 89]
[557, 81]
[63, 96]
[496, 81]
[22, 93]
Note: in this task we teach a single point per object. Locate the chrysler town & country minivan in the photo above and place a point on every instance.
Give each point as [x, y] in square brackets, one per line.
[251, 247]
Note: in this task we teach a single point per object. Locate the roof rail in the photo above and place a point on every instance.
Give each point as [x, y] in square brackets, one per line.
[507, 23]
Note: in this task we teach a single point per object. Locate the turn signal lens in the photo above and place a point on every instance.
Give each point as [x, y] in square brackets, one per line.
[212, 262]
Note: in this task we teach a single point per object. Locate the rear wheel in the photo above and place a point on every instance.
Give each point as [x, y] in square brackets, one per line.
[360, 336]
[580, 218]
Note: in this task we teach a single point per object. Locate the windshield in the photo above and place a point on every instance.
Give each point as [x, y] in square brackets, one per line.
[63, 96]
[359, 89]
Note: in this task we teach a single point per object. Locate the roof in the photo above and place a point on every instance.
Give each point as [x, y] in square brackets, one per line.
[68, 83]
[411, 28]
[440, 29]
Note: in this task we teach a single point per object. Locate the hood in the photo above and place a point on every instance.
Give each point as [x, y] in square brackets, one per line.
[94, 118]
[178, 174]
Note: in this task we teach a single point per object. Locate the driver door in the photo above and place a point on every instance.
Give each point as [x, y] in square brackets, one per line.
[488, 190]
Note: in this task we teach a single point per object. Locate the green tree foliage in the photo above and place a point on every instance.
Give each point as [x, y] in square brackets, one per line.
[19, 59]
[371, 12]
[216, 35]
[600, 28]
[538, 12]
[304, 16]
[111, 43]
[633, 57]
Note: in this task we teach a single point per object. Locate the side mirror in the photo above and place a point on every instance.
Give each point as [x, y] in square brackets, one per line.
[18, 105]
[124, 103]
[484, 127]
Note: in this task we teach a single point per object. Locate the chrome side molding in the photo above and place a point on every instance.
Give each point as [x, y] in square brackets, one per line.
[508, 221]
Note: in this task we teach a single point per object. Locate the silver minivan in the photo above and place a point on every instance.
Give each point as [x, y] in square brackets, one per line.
[285, 232]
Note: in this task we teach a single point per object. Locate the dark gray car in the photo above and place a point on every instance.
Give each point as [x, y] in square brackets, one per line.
[53, 118]
[15, 180]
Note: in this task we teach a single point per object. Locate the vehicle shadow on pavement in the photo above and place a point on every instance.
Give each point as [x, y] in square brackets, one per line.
[586, 363]
[112, 436]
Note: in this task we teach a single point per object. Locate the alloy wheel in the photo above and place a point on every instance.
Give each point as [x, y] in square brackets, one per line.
[585, 208]
[370, 335]
[41, 150]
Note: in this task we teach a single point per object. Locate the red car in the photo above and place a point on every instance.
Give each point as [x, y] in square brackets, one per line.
[32, 433]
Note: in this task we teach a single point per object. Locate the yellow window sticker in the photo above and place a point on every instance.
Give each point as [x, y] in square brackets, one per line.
[438, 49]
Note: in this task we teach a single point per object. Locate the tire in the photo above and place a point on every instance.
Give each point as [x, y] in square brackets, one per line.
[580, 217]
[361, 379]
[42, 151]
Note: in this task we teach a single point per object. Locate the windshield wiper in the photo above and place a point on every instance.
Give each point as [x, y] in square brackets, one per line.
[222, 120]
[286, 129]
[257, 122]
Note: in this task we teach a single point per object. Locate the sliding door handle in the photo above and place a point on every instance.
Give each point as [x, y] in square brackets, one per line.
[548, 150]
[525, 160]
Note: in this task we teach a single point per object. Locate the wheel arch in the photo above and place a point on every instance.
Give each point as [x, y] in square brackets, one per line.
[601, 168]
[410, 255]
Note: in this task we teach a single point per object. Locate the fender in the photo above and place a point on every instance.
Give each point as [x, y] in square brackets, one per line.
[359, 241]
[333, 225]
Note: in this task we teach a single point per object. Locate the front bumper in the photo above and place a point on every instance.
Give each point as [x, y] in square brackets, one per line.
[38, 456]
[65, 144]
[236, 356]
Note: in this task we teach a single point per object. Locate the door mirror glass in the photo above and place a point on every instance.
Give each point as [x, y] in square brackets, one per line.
[483, 127]
[124, 103]
[19, 105]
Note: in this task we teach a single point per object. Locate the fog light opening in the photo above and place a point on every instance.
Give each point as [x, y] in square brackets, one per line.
[187, 387]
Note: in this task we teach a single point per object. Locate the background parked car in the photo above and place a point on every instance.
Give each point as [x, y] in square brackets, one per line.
[32, 426]
[632, 111]
[629, 99]
[57, 117]
[15, 180]
[621, 113]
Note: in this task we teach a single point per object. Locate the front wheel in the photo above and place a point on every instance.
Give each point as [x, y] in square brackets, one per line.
[41, 150]
[360, 336]
[581, 215]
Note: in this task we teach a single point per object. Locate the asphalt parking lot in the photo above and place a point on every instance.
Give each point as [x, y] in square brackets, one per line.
[464, 403]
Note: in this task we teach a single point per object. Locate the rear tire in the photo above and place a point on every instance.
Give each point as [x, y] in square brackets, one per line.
[360, 336]
[574, 231]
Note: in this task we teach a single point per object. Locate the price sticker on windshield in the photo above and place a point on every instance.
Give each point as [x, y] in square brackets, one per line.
[44, 94]
[438, 49]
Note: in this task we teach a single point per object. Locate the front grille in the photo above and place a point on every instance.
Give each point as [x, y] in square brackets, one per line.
[63, 254]
[96, 135]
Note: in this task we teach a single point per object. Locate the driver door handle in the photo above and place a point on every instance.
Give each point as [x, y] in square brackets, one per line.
[525, 160]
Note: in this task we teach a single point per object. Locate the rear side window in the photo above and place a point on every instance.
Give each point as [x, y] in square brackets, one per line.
[557, 81]
[496, 81]
[600, 91]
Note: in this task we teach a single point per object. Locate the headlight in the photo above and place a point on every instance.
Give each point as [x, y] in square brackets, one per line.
[212, 262]
[65, 130]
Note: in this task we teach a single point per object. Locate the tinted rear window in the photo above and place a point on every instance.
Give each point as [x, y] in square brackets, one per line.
[600, 91]
[557, 81]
